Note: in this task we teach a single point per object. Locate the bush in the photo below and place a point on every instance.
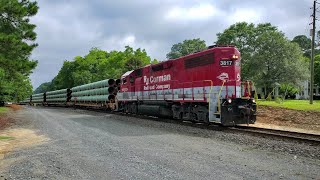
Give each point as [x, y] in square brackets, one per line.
[269, 98]
[279, 99]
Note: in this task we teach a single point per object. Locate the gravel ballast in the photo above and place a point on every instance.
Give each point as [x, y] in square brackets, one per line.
[93, 145]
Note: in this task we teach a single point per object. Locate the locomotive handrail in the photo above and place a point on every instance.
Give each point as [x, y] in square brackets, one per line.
[171, 82]
[249, 90]
[211, 84]
[255, 94]
[183, 88]
[219, 96]
[255, 90]
[141, 87]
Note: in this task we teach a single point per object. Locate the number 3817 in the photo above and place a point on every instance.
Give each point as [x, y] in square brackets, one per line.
[225, 63]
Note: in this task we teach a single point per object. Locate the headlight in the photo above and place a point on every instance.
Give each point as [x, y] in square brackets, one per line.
[253, 100]
[229, 101]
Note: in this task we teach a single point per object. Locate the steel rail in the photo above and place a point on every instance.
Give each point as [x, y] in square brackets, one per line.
[299, 136]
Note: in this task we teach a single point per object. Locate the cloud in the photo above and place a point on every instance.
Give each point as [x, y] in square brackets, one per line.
[70, 28]
[245, 14]
[197, 12]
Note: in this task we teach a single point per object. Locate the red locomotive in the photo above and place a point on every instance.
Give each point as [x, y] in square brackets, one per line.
[202, 87]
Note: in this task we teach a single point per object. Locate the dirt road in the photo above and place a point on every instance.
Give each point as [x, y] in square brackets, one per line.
[58, 143]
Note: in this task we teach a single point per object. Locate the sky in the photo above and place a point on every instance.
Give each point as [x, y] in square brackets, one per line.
[69, 28]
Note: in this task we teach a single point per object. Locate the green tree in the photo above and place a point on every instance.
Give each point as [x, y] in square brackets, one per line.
[186, 47]
[16, 90]
[17, 38]
[22, 88]
[244, 37]
[288, 89]
[44, 87]
[317, 69]
[137, 59]
[98, 65]
[278, 60]
[267, 56]
[305, 44]
[303, 41]
[154, 61]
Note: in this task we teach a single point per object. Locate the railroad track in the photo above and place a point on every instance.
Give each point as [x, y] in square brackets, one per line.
[289, 135]
[256, 131]
[298, 136]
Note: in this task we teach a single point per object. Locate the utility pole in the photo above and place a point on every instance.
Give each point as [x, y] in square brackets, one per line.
[312, 51]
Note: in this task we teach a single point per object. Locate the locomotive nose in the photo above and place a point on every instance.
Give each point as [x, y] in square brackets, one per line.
[246, 111]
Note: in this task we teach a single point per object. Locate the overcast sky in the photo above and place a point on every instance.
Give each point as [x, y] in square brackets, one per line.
[68, 28]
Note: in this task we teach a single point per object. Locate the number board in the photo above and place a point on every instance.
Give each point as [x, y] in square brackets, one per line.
[225, 63]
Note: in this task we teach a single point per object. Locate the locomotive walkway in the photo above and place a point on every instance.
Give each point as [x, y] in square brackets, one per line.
[75, 144]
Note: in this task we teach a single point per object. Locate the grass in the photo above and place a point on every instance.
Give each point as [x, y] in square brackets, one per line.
[3, 109]
[293, 104]
[6, 137]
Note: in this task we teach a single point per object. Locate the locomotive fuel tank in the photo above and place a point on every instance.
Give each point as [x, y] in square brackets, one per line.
[154, 110]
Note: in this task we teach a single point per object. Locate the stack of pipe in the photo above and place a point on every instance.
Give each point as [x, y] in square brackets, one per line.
[37, 98]
[25, 101]
[117, 86]
[118, 81]
[100, 91]
[56, 96]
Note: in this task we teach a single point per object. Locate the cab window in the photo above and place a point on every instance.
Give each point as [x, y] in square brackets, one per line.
[131, 79]
[124, 81]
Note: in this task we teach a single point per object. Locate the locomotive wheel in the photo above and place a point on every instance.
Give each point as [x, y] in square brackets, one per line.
[126, 108]
[194, 118]
[134, 109]
[180, 117]
[206, 122]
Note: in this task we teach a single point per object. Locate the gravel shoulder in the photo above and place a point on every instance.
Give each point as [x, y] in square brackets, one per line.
[79, 144]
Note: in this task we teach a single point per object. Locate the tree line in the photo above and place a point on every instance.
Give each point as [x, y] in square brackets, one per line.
[17, 38]
[96, 65]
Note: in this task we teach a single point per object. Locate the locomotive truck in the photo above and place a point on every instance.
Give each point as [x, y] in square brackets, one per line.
[201, 87]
